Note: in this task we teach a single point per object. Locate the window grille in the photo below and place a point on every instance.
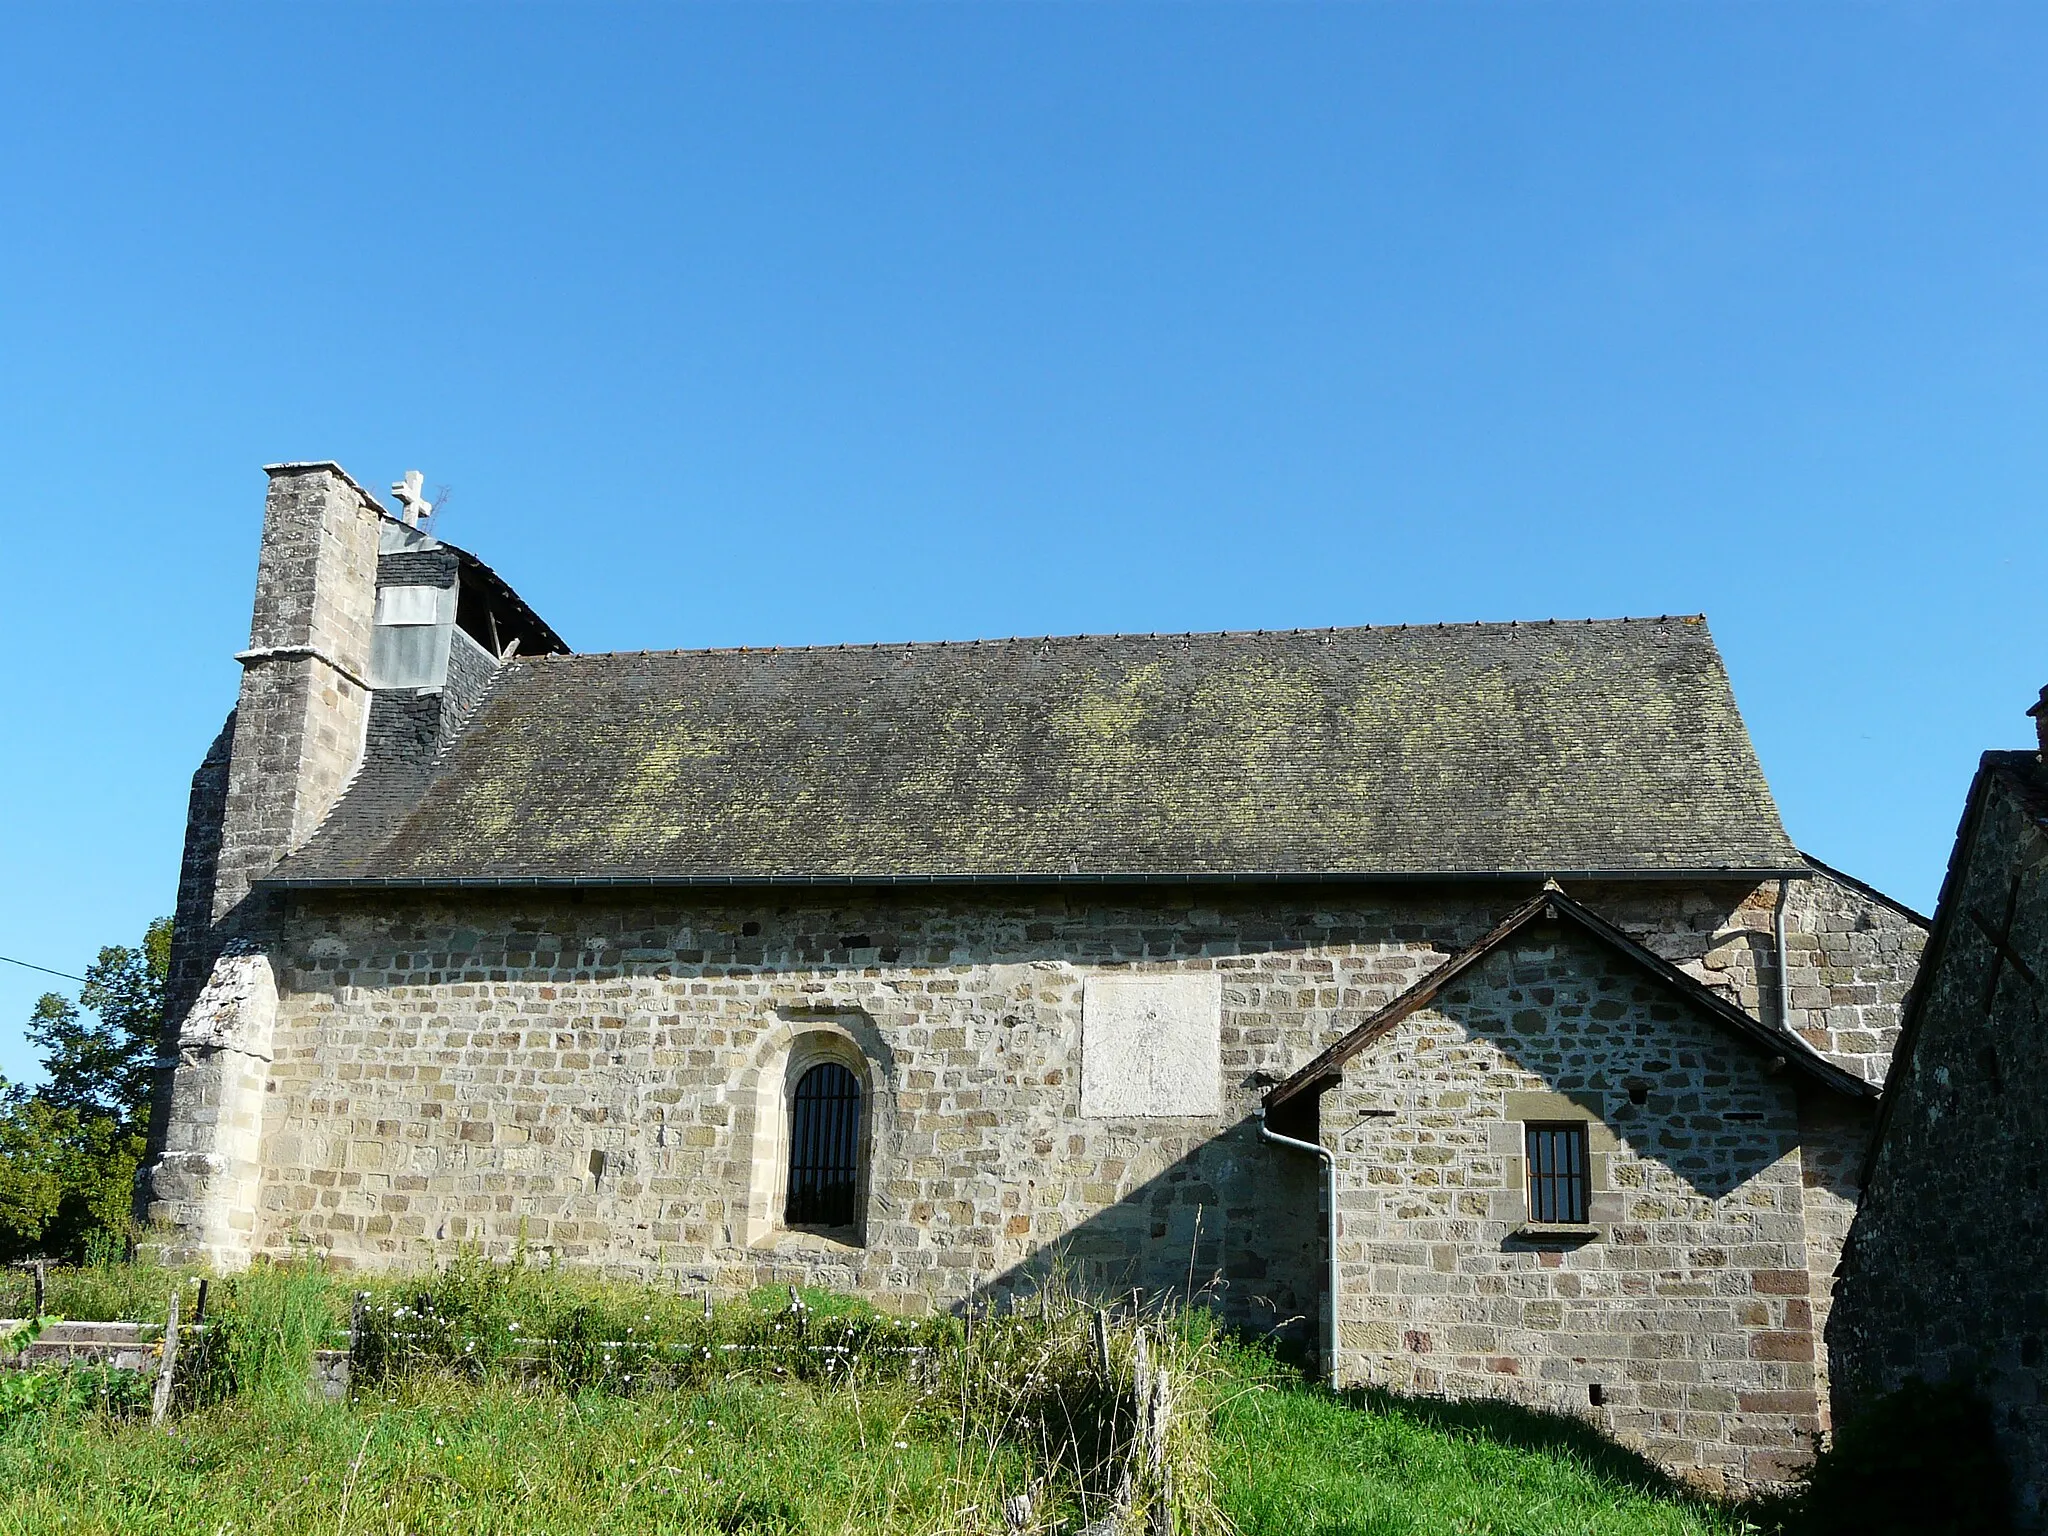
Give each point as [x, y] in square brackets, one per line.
[1557, 1173]
[824, 1148]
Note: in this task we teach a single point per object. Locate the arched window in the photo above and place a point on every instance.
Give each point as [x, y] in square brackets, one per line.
[824, 1148]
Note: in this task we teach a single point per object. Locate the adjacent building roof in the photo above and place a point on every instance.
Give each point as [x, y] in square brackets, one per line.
[2024, 775]
[1548, 906]
[1606, 748]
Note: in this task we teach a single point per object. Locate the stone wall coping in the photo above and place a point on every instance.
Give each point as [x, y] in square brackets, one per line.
[1865, 888]
[298, 465]
[302, 653]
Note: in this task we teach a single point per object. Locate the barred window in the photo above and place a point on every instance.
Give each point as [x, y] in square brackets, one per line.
[824, 1148]
[1557, 1173]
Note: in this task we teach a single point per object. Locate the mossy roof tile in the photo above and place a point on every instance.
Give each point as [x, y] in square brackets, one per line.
[1606, 747]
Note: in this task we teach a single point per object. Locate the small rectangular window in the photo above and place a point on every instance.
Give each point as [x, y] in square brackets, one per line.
[1558, 1184]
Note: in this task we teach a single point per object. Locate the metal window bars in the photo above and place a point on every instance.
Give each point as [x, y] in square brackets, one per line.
[824, 1148]
[1558, 1185]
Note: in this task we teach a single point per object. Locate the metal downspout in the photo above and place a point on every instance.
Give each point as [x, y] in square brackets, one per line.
[1330, 1283]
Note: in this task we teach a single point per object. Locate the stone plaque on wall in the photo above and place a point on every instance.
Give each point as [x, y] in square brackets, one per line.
[1151, 1045]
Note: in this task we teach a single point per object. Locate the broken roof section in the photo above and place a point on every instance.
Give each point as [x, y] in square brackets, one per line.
[1597, 749]
[1548, 906]
[489, 611]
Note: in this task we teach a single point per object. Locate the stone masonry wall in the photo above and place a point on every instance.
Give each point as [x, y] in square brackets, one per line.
[600, 1078]
[1834, 1136]
[206, 810]
[1687, 1309]
[192, 943]
[1854, 957]
[444, 1072]
[1942, 1278]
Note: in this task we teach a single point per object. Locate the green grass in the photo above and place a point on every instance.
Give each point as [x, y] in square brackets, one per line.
[434, 1455]
[1298, 1461]
[762, 1439]
[437, 1456]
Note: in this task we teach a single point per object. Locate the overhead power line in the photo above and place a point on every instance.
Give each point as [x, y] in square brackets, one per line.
[25, 965]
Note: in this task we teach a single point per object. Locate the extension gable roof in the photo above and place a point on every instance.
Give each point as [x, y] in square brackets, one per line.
[1552, 904]
[1607, 748]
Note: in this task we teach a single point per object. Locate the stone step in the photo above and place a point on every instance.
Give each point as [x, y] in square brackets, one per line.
[137, 1347]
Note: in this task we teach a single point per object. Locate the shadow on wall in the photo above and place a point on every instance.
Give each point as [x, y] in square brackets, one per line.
[1714, 1130]
[1234, 1224]
[1230, 1224]
[1922, 1461]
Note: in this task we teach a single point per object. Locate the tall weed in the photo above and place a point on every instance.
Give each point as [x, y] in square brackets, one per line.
[262, 1330]
[542, 1325]
[128, 1293]
[1108, 1417]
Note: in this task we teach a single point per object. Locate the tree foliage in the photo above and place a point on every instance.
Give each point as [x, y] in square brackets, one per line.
[100, 1051]
[69, 1149]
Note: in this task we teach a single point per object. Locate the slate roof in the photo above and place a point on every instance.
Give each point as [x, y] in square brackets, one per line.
[1607, 747]
[1548, 905]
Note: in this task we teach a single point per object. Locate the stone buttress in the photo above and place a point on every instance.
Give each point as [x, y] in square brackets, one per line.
[288, 750]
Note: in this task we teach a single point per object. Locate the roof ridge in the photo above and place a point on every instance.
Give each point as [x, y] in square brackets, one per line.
[1185, 634]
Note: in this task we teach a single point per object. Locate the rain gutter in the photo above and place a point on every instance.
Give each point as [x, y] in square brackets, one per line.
[962, 877]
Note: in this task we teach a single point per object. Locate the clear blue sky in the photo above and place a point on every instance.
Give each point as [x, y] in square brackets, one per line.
[784, 325]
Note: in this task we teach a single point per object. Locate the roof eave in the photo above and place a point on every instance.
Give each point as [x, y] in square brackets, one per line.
[1745, 874]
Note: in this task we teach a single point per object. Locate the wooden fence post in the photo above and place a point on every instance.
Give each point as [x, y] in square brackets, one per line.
[169, 1367]
[1102, 1342]
[42, 1290]
[1158, 1417]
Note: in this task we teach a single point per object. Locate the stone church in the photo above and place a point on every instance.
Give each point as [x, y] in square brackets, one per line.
[1446, 999]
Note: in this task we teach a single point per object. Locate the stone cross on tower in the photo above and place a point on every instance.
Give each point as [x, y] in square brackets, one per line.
[408, 493]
